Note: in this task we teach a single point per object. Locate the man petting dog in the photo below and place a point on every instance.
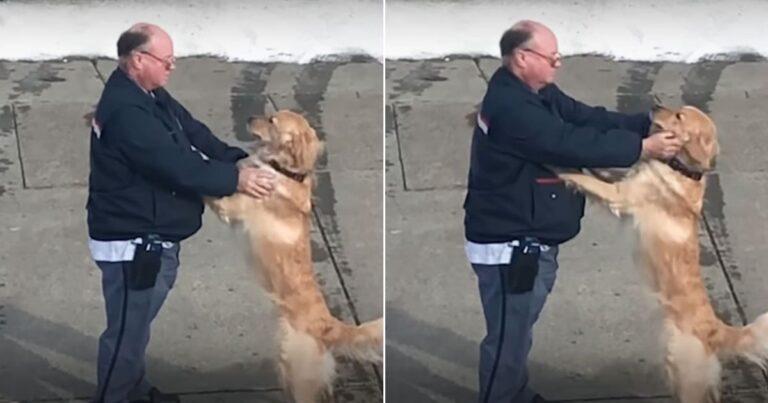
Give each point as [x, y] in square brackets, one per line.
[151, 163]
[517, 211]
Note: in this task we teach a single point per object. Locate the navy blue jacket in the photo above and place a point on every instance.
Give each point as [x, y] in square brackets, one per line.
[146, 178]
[510, 193]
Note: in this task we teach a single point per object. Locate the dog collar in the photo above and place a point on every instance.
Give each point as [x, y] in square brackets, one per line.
[678, 166]
[293, 175]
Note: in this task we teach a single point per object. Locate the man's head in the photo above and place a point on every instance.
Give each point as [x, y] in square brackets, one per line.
[529, 50]
[145, 53]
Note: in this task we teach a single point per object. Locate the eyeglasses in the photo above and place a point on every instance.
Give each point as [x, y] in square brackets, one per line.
[168, 63]
[553, 60]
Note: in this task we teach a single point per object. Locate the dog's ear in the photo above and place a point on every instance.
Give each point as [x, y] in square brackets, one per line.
[697, 150]
[306, 147]
[703, 146]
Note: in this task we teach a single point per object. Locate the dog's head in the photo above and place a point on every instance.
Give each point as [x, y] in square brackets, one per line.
[287, 138]
[694, 128]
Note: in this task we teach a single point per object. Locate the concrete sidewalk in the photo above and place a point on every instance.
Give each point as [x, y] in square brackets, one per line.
[598, 338]
[214, 339]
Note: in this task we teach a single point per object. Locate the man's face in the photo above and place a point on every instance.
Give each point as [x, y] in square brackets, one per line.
[542, 59]
[157, 62]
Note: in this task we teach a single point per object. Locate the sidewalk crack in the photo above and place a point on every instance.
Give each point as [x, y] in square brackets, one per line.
[98, 73]
[396, 126]
[18, 146]
[477, 65]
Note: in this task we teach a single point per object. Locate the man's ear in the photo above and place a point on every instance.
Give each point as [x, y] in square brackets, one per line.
[513, 59]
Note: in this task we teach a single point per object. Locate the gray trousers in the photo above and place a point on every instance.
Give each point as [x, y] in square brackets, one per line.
[129, 316]
[509, 320]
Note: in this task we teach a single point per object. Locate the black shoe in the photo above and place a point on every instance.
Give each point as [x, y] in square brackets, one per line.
[539, 399]
[156, 396]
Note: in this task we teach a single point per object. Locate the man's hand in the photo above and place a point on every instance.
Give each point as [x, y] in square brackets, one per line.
[255, 182]
[662, 145]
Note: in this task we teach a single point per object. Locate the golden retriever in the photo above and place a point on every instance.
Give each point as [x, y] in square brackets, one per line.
[278, 229]
[665, 201]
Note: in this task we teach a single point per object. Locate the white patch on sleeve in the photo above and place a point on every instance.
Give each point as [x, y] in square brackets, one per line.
[96, 127]
[202, 154]
[482, 122]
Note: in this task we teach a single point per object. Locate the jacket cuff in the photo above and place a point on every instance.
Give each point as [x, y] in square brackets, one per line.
[235, 154]
[648, 120]
[232, 182]
[639, 149]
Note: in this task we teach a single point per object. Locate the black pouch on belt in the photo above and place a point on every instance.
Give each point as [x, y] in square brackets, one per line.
[145, 264]
[520, 275]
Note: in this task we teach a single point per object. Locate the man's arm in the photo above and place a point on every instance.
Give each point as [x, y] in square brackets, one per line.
[204, 140]
[581, 114]
[150, 148]
[530, 131]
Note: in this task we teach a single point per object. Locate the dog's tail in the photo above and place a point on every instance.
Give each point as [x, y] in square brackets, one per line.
[750, 342]
[359, 342]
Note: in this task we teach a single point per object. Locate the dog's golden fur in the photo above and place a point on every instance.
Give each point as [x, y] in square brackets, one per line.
[278, 228]
[666, 207]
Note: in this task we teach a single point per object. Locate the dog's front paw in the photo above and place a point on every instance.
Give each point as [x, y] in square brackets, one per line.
[618, 208]
[571, 180]
[615, 210]
[217, 206]
[225, 218]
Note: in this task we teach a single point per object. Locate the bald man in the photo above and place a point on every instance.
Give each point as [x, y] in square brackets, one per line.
[517, 212]
[151, 164]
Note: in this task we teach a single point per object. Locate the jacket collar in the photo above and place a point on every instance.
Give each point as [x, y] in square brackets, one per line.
[157, 101]
[131, 79]
[138, 95]
[503, 75]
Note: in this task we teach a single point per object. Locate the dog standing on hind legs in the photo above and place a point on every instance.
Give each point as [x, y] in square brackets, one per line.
[665, 201]
[278, 230]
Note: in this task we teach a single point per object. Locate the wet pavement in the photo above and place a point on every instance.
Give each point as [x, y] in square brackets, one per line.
[214, 339]
[598, 337]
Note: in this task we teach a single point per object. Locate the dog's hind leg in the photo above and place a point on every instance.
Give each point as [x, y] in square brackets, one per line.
[307, 367]
[361, 343]
[693, 372]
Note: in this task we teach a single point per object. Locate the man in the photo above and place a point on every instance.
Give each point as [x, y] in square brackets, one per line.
[151, 163]
[518, 211]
